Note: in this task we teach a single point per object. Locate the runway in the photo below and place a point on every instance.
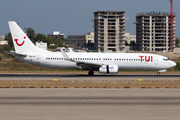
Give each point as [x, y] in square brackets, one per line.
[89, 104]
[82, 77]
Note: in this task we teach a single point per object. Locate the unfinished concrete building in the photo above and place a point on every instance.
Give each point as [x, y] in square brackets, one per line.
[109, 30]
[153, 31]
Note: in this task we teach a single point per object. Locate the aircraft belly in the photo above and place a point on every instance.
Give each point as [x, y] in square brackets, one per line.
[135, 66]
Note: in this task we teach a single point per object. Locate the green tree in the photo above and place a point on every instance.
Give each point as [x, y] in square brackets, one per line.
[50, 39]
[8, 37]
[178, 66]
[47, 41]
[52, 47]
[126, 44]
[6, 48]
[177, 42]
[40, 37]
[132, 43]
[31, 34]
[59, 41]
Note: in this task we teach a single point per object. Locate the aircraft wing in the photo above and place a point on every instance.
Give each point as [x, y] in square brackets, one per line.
[81, 64]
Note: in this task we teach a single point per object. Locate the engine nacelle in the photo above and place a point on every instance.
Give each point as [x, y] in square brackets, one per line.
[108, 69]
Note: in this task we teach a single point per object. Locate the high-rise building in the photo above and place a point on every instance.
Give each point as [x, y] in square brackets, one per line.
[153, 31]
[109, 30]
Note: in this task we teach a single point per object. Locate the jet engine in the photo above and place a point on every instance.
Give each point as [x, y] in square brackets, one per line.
[108, 69]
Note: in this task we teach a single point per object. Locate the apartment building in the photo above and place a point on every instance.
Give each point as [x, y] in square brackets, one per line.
[75, 40]
[109, 30]
[56, 34]
[90, 37]
[153, 31]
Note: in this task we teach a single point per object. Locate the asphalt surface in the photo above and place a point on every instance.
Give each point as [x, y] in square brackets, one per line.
[89, 104]
[82, 77]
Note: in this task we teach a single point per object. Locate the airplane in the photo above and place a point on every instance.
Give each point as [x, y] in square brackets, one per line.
[107, 63]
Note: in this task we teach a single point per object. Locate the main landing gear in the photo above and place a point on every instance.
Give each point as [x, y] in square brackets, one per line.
[91, 73]
[158, 73]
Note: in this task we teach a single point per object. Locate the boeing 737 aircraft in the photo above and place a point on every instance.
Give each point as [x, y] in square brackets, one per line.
[109, 63]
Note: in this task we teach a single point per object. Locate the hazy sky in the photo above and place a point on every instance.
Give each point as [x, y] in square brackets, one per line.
[72, 17]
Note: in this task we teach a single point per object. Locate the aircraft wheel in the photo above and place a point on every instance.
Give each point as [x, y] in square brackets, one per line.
[158, 73]
[91, 73]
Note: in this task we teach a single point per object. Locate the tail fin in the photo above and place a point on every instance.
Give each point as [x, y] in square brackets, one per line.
[21, 42]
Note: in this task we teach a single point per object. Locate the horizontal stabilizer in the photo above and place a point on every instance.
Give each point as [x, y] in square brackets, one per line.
[14, 53]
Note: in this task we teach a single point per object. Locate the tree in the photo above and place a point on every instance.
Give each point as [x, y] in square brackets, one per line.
[4, 48]
[59, 41]
[132, 43]
[177, 42]
[40, 37]
[126, 44]
[9, 39]
[47, 41]
[31, 34]
[7, 48]
[50, 39]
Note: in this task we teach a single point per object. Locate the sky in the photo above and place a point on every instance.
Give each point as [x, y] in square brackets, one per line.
[72, 17]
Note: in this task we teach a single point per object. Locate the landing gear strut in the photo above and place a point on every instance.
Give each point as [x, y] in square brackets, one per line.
[91, 73]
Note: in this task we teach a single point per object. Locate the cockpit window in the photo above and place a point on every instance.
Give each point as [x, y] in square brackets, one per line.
[165, 59]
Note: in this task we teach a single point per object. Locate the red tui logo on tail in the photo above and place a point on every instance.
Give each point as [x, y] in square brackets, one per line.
[18, 43]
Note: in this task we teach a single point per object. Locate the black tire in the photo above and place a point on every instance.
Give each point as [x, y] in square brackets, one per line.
[91, 73]
[158, 73]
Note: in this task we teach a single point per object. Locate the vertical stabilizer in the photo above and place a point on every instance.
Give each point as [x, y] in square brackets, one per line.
[21, 42]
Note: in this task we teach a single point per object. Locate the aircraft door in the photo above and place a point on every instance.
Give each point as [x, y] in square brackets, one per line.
[156, 60]
[38, 59]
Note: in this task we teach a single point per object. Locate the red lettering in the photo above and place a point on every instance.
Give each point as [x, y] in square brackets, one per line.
[141, 57]
[151, 58]
[147, 60]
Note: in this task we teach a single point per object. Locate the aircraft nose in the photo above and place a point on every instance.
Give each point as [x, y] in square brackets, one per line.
[173, 64]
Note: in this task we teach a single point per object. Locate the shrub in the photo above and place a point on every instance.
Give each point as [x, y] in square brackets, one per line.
[178, 66]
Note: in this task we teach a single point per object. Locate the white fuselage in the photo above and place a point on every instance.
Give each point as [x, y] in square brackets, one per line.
[124, 61]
